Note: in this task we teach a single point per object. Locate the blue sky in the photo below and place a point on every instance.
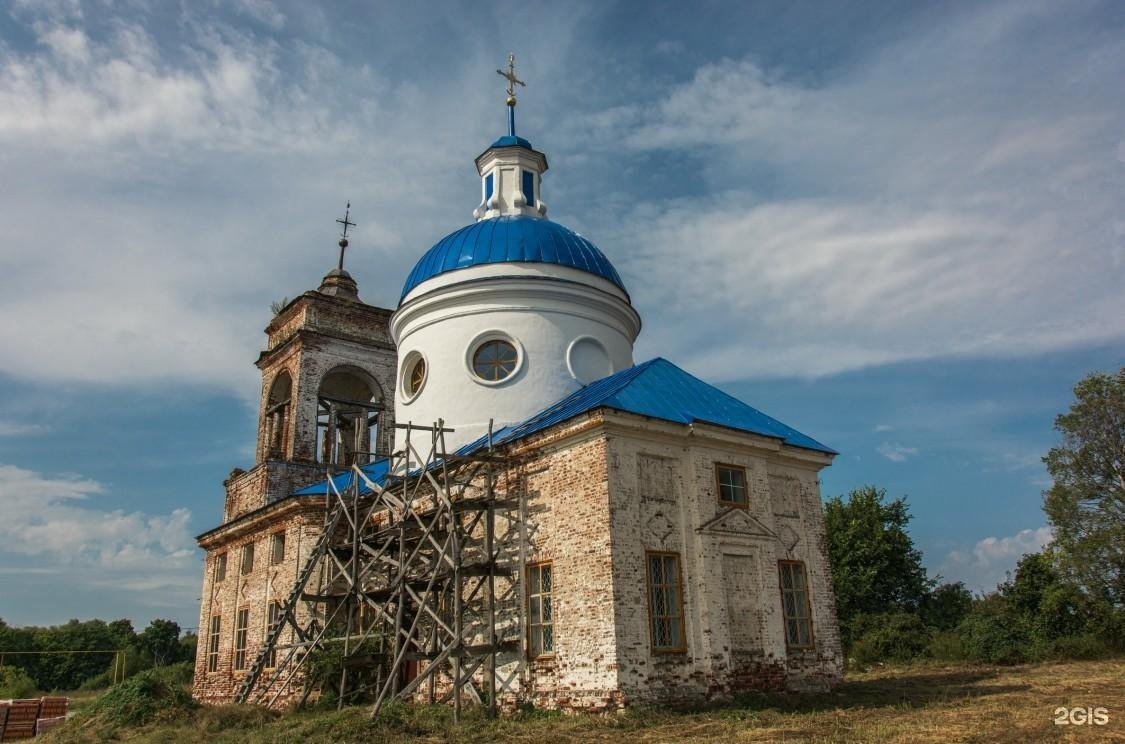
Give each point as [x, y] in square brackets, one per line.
[896, 227]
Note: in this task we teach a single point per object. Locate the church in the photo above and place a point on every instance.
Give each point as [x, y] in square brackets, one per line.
[667, 540]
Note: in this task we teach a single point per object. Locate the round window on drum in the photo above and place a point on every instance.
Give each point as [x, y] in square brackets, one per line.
[414, 372]
[495, 360]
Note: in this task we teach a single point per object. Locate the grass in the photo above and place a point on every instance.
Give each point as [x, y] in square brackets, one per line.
[918, 703]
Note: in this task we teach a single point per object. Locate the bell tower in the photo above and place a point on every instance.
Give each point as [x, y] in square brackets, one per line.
[328, 374]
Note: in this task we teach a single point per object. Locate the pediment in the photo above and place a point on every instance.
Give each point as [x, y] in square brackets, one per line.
[736, 521]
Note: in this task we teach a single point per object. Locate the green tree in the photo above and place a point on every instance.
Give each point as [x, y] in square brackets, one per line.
[946, 606]
[1086, 503]
[875, 567]
[161, 639]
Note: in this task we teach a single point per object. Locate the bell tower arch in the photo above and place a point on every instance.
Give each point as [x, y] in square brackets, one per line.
[327, 393]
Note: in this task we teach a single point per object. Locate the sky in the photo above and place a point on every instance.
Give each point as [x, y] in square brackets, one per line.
[895, 226]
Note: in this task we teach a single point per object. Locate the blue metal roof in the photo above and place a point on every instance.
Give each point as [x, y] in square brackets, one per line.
[658, 389]
[511, 140]
[376, 471]
[663, 391]
[511, 239]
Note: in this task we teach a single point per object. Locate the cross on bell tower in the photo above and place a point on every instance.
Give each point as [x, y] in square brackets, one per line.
[344, 235]
[510, 76]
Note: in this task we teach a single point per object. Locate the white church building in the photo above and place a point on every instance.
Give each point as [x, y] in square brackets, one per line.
[678, 550]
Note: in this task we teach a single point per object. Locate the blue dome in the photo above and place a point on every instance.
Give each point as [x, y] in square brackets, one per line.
[512, 239]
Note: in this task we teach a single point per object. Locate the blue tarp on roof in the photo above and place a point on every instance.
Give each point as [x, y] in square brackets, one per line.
[376, 471]
[658, 389]
[511, 239]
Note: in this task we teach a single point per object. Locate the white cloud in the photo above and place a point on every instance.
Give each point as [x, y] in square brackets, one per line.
[955, 193]
[55, 522]
[988, 562]
[17, 429]
[896, 452]
[879, 428]
[923, 213]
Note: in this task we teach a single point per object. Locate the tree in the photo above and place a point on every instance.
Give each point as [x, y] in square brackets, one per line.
[946, 606]
[875, 566]
[1086, 503]
[162, 640]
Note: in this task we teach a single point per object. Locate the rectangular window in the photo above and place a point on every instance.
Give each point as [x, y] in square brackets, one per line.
[247, 558]
[487, 188]
[665, 602]
[213, 644]
[795, 604]
[529, 187]
[220, 566]
[241, 626]
[273, 617]
[732, 485]
[277, 548]
[541, 611]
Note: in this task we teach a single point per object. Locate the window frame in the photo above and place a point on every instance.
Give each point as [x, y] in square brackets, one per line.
[241, 635]
[273, 617]
[719, 485]
[213, 634]
[220, 567]
[499, 362]
[533, 627]
[649, 586]
[808, 604]
[277, 538]
[243, 568]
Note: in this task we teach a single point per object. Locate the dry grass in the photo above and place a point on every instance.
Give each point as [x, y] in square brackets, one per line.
[953, 703]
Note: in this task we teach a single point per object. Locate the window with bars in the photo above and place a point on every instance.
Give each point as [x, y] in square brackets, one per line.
[541, 611]
[795, 604]
[241, 626]
[247, 559]
[665, 602]
[273, 617]
[213, 644]
[732, 485]
[220, 566]
[277, 548]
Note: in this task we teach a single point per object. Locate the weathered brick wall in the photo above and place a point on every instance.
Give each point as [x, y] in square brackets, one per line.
[313, 336]
[265, 483]
[663, 497]
[568, 511]
[252, 591]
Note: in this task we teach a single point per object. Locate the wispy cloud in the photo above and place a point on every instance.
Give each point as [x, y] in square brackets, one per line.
[56, 523]
[879, 428]
[988, 562]
[921, 213]
[896, 452]
[17, 429]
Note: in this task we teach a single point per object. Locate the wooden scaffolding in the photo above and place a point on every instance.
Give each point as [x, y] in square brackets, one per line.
[413, 586]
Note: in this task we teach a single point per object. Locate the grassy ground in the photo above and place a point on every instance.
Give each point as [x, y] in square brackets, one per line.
[953, 703]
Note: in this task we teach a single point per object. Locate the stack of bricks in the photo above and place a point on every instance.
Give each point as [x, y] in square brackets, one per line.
[22, 715]
[52, 713]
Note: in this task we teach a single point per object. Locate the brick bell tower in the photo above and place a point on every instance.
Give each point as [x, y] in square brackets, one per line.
[327, 395]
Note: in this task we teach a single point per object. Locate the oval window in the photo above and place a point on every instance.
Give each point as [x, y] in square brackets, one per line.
[495, 360]
[413, 375]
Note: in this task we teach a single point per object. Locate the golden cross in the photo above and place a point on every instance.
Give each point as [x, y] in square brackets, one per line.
[510, 76]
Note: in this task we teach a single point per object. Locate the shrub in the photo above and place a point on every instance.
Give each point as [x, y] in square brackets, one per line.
[1085, 646]
[144, 698]
[994, 633]
[946, 645]
[894, 636]
[16, 683]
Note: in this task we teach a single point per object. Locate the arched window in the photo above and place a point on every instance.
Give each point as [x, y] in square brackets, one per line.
[278, 405]
[348, 406]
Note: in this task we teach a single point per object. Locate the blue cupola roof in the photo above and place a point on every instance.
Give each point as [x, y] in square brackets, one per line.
[512, 239]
